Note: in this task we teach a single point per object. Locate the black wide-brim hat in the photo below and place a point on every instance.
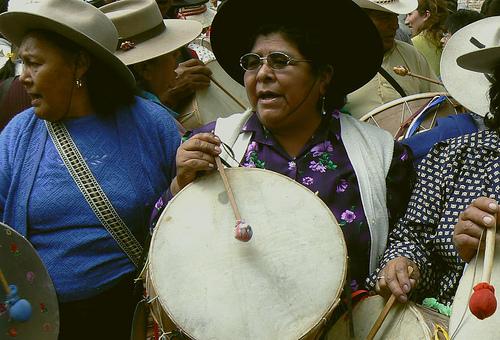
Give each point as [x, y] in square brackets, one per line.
[352, 44]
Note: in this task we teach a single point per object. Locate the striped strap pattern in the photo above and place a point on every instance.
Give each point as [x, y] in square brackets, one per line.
[92, 191]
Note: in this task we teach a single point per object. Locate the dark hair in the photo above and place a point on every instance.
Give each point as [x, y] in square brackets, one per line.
[106, 90]
[492, 120]
[461, 18]
[311, 47]
[490, 8]
[434, 25]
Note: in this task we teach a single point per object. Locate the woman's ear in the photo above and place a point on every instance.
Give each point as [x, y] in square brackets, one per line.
[82, 64]
[427, 14]
[143, 70]
[325, 79]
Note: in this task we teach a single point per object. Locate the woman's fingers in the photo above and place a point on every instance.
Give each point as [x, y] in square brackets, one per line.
[195, 155]
[471, 223]
[394, 278]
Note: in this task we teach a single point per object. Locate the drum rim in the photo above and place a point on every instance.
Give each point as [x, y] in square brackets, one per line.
[330, 308]
[398, 101]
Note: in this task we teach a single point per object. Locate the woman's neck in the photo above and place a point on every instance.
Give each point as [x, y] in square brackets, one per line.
[293, 139]
[80, 105]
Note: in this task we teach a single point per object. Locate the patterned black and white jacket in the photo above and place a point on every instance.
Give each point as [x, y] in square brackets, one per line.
[453, 174]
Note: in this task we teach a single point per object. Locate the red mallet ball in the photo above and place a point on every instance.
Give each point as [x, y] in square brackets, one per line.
[483, 302]
[243, 231]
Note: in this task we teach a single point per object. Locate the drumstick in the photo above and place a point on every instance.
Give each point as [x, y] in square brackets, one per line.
[243, 231]
[229, 94]
[383, 314]
[404, 71]
[4, 283]
[229, 191]
[483, 302]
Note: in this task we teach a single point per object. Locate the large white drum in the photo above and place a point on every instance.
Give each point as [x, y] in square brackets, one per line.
[282, 284]
[463, 324]
[404, 321]
[214, 101]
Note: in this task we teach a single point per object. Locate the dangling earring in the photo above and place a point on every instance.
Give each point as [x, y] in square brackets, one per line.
[79, 83]
[323, 109]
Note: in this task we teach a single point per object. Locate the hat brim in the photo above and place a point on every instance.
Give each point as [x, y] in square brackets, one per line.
[187, 3]
[396, 7]
[15, 25]
[469, 88]
[177, 33]
[484, 60]
[352, 43]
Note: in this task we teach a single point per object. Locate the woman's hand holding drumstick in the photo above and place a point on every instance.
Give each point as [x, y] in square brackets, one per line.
[378, 323]
[395, 278]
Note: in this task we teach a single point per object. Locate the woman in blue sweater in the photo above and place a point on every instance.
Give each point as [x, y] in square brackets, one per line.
[82, 94]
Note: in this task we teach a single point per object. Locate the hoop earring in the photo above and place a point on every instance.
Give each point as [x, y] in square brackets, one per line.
[79, 83]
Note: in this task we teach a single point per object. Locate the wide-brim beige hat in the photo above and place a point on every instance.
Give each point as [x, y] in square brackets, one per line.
[486, 55]
[75, 20]
[393, 6]
[205, 18]
[469, 88]
[144, 34]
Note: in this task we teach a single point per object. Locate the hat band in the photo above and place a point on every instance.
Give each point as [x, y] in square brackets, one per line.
[126, 44]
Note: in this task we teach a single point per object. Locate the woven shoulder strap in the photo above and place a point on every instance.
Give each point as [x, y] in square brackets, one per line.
[91, 190]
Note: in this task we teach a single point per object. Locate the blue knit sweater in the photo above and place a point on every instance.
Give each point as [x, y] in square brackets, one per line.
[132, 156]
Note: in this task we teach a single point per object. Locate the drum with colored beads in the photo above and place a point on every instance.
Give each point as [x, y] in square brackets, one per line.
[404, 321]
[463, 324]
[412, 114]
[223, 97]
[21, 266]
[282, 284]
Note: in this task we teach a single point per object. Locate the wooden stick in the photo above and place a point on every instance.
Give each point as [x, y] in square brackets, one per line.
[383, 314]
[489, 252]
[229, 94]
[229, 191]
[4, 283]
[403, 71]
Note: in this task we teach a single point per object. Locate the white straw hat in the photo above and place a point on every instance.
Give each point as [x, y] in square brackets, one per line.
[393, 6]
[487, 54]
[469, 88]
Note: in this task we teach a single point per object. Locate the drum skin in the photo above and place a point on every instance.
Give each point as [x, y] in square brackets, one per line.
[404, 321]
[393, 115]
[21, 266]
[212, 102]
[463, 324]
[282, 284]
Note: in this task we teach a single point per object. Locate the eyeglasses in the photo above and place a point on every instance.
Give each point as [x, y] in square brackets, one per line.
[275, 60]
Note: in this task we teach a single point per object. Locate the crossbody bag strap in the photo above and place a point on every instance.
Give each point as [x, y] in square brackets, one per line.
[91, 190]
[392, 81]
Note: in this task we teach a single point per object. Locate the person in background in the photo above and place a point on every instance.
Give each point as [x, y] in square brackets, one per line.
[13, 96]
[490, 8]
[458, 20]
[192, 74]
[427, 28]
[387, 85]
[82, 96]
[455, 196]
[152, 60]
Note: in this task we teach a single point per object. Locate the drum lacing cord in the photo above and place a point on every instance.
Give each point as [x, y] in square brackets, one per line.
[470, 290]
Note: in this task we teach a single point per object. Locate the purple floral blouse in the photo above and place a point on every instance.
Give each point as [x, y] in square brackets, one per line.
[324, 167]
